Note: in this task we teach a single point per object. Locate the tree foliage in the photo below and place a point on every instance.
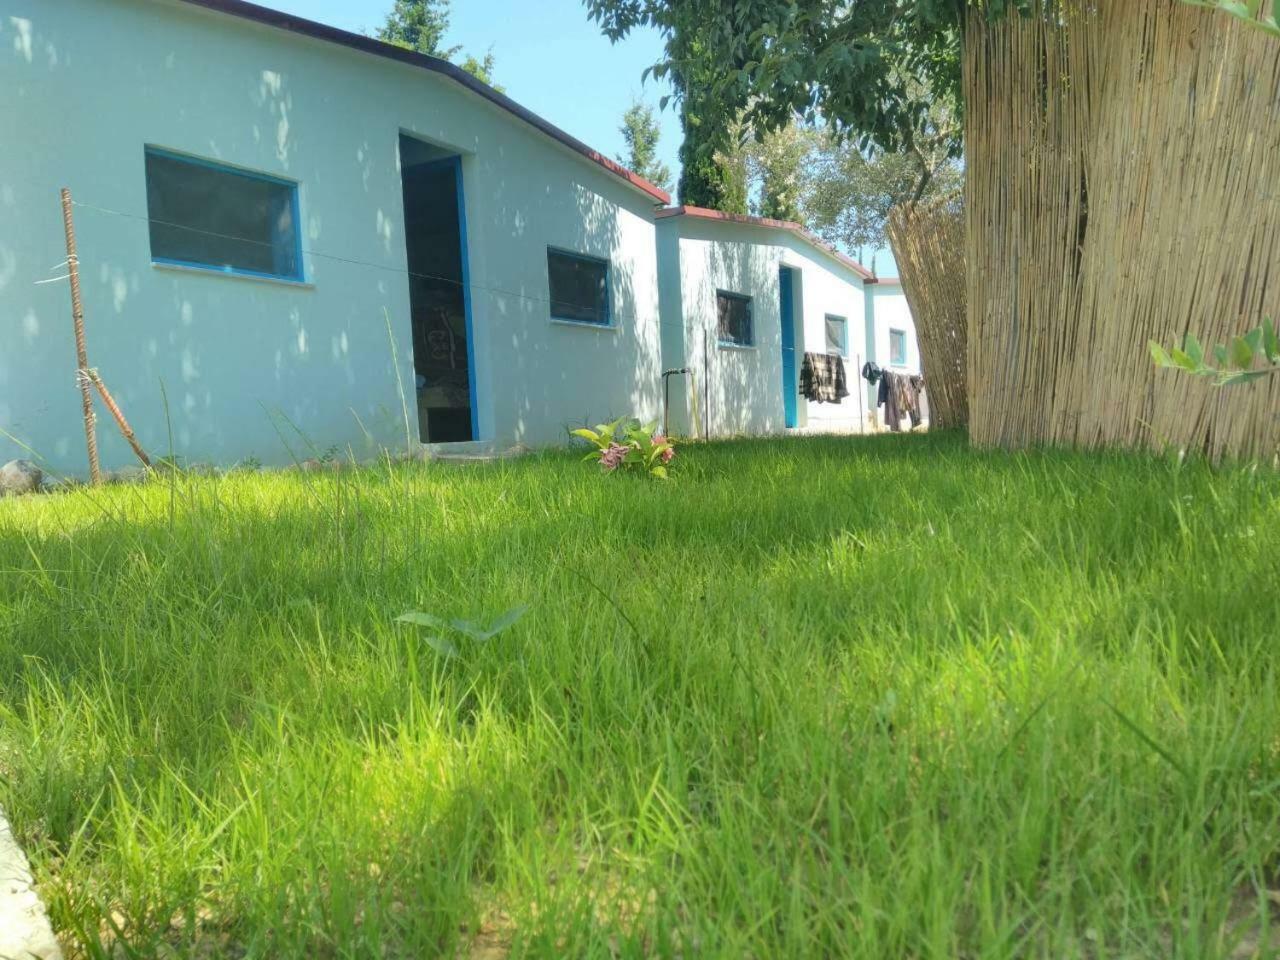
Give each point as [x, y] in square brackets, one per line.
[641, 134]
[872, 68]
[713, 164]
[421, 25]
[780, 164]
[1254, 12]
[852, 190]
[840, 191]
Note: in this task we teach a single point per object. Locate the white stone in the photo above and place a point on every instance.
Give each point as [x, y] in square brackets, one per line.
[24, 927]
[135, 474]
[18, 477]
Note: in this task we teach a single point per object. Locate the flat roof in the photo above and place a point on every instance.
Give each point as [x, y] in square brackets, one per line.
[702, 213]
[354, 41]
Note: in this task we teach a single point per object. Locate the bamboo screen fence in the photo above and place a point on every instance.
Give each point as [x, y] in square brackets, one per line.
[1123, 185]
[928, 242]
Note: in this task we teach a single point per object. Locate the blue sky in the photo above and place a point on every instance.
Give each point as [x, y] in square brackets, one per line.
[550, 58]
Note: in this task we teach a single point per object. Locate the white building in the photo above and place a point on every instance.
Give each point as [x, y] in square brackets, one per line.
[744, 299]
[296, 239]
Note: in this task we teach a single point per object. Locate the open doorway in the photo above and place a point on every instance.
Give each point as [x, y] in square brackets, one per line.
[439, 299]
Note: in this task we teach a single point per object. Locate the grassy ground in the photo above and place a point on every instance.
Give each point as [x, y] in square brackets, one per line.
[879, 697]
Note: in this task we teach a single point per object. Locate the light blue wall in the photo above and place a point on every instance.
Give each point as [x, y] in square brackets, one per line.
[739, 391]
[251, 367]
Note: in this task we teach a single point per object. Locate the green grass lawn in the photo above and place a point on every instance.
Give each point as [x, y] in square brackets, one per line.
[883, 697]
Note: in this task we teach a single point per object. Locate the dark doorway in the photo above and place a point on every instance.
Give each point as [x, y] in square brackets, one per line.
[435, 236]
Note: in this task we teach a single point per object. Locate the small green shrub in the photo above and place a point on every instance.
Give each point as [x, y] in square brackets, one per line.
[626, 444]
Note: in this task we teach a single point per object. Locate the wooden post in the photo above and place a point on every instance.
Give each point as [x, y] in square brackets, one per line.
[82, 359]
[121, 422]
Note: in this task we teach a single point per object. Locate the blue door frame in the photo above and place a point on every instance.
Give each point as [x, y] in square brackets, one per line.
[790, 396]
[456, 163]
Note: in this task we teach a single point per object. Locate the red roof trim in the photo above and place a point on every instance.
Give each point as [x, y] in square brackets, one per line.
[887, 281]
[320, 31]
[702, 213]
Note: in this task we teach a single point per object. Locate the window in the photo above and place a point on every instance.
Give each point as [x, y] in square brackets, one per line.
[205, 215]
[733, 318]
[579, 287]
[898, 347]
[837, 335]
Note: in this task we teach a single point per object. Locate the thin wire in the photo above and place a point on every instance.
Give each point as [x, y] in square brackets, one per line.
[360, 263]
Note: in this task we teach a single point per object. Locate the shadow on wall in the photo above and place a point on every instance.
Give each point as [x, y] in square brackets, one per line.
[739, 389]
[229, 367]
[547, 377]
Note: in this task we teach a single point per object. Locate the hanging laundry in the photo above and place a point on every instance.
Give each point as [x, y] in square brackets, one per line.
[900, 396]
[889, 397]
[912, 388]
[871, 372]
[822, 378]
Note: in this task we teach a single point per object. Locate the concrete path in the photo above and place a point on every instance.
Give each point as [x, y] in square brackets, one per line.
[24, 929]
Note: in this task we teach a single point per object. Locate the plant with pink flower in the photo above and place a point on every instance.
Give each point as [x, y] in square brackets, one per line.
[613, 457]
[668, 449]
[630, 446]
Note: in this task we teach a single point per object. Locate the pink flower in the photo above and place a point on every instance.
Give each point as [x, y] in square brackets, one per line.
[612, 458]
[667, 455]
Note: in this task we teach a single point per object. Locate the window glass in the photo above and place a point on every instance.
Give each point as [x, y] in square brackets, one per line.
[837, 335]
[898, 347]
[733, 315]
[205, 215]
[579, 287]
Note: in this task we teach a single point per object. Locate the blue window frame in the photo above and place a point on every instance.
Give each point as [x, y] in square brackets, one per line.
[214, 217]
[578, 287]
[898, 348]
[734, 326]
[837, 335]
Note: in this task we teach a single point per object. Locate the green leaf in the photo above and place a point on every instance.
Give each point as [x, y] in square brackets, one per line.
[585, 434]
[1241, 376]
[1241, 353]
[441, 646]
[660, 472]
[1159, 356]
[1270, 333]
[1191, 346]
[1220, 354]
[1181, 359]
[503, 622]
[423, 620]
[1254, 339]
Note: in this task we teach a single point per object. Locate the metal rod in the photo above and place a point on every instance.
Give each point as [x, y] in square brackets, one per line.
[706, 387]
[862, 419]
[666, 396]
[82, 359]
[121, 422]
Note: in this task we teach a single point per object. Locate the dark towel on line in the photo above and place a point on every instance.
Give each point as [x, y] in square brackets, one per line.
[822, 378]
[888, 398]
